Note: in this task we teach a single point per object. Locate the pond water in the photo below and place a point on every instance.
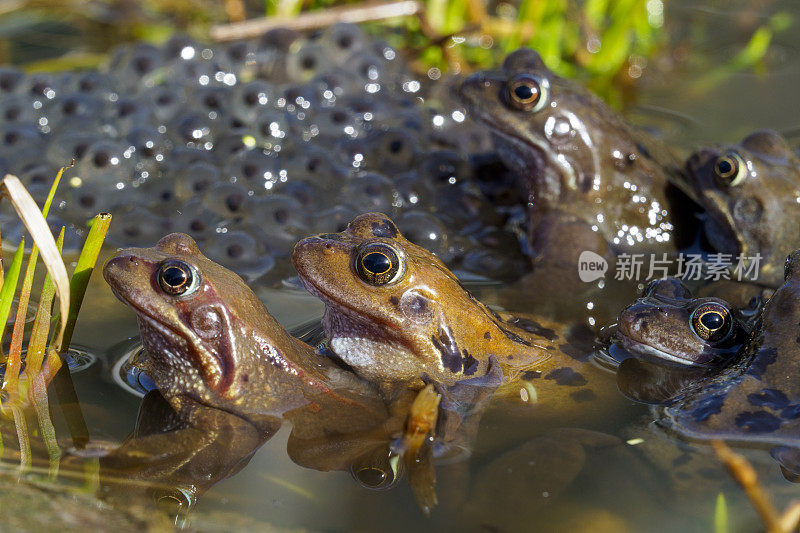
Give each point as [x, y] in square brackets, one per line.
[525, 469]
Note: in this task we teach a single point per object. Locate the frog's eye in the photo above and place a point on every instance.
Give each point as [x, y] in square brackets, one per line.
[730, 169]
[527, 93]
[177, 278]
[378, 263]
[711, 322]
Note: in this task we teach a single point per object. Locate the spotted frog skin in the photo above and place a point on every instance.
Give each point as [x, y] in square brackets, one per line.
[756, 400]
[418, 323]
[751, 194]
[212, 342]
[593, 181]
[667, 325]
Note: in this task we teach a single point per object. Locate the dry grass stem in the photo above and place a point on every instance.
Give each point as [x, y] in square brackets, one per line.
[316, 19]
[745, 475]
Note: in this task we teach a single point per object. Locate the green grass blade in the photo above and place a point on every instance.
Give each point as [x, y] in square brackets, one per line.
[37, 344]
[62, 383]
[31, 216]
[51, 194]
[36, 350]
[14, 361]
[10, 286]
[2, 267]
[83, 271]
[721, 515]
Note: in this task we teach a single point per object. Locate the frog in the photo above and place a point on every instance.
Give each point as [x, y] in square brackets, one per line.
[211, 342]
[593, 181]
[756, 400]
[751, 195]
[668, 325]
[668, 339]
[231, 374]
[397, 316]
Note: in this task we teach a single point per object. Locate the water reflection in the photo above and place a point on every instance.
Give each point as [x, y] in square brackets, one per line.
[179, 449]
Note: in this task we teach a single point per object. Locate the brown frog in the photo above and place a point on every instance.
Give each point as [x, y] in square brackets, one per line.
[751, 194]
[231, 373]
[667, 325]
[668, 340]
[396, 315]
[211, 341]
[593, 181]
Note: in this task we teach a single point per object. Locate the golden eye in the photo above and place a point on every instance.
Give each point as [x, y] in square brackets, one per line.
[730, 169]
[177, 278]
[711, 322]
[527, 93]
[378, 263]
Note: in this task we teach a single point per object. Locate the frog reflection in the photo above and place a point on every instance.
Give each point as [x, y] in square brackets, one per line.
[593, 181]
[751, 194]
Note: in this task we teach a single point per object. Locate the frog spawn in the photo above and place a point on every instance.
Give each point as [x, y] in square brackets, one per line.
[322, 124]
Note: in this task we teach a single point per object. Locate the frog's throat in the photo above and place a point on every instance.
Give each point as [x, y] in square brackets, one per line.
[216, 372]
[547, 175]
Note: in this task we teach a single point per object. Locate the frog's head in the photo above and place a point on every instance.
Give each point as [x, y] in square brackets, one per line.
[751, 193]
[668, 326]
[576, 157]
[543, 124]
[394, 312]
[198, 320]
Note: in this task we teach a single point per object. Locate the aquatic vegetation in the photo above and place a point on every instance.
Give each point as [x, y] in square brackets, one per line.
[28, 372]
[745, 475]
[608, 44]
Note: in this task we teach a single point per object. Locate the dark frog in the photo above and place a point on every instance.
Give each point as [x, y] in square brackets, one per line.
[757, 399]
[668, 340]
[751, 193]
[667, 325]
[594, 182]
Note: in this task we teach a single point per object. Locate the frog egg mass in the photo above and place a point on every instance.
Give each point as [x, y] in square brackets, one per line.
[251, 146]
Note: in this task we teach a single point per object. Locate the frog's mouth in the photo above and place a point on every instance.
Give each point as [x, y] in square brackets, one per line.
[347, 319]
[642, 350]
[718, 224]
